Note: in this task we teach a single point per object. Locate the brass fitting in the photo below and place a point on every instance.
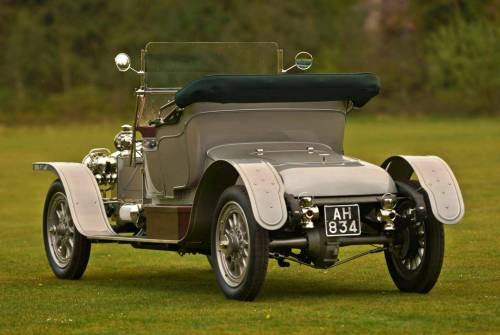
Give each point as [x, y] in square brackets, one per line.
[387, 214]
[309, 212]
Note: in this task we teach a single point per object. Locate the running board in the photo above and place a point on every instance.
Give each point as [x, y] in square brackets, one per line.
[130, 239]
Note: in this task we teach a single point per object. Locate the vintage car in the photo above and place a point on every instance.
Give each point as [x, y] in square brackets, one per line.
[232, 157]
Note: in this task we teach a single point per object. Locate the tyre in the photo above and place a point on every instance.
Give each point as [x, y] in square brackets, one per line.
[210, 262]
[415, 263]
[67, 250]
[240, 247]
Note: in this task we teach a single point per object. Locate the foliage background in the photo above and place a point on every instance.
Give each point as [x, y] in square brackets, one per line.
[437, 57]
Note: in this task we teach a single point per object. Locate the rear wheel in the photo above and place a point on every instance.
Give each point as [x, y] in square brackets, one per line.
[415, 263]
[67, 250]
[240, 247]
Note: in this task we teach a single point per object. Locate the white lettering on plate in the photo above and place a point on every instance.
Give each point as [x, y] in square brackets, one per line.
[346, 211]
[336, 214]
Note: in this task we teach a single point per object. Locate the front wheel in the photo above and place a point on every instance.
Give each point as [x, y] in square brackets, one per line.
[67, 250]
[240, 247]
[415, 263]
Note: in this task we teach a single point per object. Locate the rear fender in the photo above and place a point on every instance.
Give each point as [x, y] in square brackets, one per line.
[262, 183]
[437, 180]
[84, 198]
[265, 190]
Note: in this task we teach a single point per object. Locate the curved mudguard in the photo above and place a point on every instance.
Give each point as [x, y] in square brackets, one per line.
[436, 178]
[84, 198]
[265, 190]
[264, 187]
[262, 183]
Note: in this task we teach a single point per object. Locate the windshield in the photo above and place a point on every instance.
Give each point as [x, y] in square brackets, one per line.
[172, 65]
[169, 66]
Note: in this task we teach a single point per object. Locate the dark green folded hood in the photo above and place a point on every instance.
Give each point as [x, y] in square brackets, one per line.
[356, 87]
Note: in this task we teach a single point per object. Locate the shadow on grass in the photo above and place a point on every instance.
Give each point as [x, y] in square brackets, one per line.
[202, 282]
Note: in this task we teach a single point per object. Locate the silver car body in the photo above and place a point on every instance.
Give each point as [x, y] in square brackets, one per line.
[282, 162]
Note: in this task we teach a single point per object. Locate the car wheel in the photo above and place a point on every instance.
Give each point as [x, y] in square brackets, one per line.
[67, 250]
[415, 263]
[240, 247]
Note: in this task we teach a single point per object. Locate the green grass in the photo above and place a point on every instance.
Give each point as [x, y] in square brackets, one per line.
[141, 292]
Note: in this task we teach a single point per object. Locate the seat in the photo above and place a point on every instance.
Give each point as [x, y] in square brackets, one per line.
[356, 87]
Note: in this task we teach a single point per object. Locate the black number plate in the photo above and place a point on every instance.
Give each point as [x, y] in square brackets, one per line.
[342, 220]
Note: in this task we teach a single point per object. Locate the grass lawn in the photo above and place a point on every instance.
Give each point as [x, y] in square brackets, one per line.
[141, 292]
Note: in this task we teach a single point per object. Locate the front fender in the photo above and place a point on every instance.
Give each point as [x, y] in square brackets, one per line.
[437, 180]
[84, 198]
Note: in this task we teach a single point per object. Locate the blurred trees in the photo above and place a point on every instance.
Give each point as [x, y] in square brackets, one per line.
[438, 57]
[464, 65]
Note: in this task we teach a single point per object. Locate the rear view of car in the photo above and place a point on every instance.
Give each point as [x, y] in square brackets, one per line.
[232, 157]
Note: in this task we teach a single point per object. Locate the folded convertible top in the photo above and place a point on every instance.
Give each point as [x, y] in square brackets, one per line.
[356, 87]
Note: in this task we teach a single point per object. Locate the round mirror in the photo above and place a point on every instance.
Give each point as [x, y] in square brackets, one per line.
[122, 61]
[303, 60]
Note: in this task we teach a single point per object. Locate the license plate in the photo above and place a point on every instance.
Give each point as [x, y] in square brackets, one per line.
[342, 220]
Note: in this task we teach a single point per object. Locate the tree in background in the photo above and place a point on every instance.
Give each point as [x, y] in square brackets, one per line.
[464, 66]
[57, 59]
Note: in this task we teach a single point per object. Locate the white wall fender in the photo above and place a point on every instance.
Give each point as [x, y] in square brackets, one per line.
[84, 198]
[265, 190]
[436, 178]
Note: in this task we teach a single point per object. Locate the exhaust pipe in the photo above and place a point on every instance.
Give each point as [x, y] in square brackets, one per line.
[298, 242]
